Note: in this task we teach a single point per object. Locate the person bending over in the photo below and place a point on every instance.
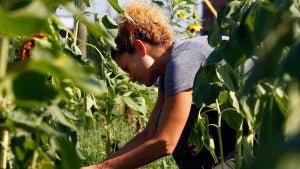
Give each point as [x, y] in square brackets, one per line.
[148, 51]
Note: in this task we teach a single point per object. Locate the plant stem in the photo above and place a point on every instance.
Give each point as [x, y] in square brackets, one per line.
[4, 44]
[238, 148]
[3, 58]
[4, 142]
[219, 134]
[211, 8]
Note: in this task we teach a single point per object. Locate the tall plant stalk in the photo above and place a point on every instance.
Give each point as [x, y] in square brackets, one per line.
[219, 134]
[4, 147]
[211, 8]
[238, 149]
[4, 132]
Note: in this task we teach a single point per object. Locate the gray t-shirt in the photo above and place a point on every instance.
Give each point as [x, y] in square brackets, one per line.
[186, 58]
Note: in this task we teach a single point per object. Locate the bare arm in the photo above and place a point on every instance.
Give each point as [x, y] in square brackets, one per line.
[172, 121]
[140, 138]
[147, 133]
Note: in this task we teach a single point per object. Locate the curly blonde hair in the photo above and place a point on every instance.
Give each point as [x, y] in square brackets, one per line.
[146, 22]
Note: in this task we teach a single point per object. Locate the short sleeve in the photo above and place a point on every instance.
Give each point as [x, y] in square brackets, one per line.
[185, 60]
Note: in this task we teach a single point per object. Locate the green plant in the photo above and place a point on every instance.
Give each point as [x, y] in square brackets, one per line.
[266, 32]
[183, 16]
[49, 90]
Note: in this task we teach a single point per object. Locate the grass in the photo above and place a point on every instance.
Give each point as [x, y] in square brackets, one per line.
[92, 144]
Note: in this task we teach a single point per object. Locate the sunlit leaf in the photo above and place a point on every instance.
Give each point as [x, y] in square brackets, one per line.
[62, 67]
[135, 106]
[115, 5]
[21, 25]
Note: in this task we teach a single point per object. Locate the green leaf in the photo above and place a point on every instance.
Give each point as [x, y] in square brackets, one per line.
[32, 124]
[223, 97]
[64, 67]
[21, 25]
[234, 101]
[229, 77]
[230, 15]
[33, 86]
[57, 113]
[96, 28]
[290, 62]
[116, 6]
[233, 118]
[216, 56]
[69, 157]
[36, 9]
[30, 19]
[247, 153]
[272, 117]
[248, 113]
[232, 52]
[88, 2]
[206, 87]
[195, 140]
[14, 4]
[135, 105]
[199, 133]
[159, 3]
[23, 148]
[109, 23]
[270, 134]
[214, 36]
[200, 137]
[210, 146]
[56, 3]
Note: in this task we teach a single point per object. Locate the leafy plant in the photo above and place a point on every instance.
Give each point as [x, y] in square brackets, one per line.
[267, 33]
[49, 90]
[183, 16]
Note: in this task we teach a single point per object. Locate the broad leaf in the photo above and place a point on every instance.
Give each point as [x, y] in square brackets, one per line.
[206, 87]
[33, 86]
[68, 155]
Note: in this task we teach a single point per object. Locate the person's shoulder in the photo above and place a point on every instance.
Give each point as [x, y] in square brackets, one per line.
[189, 42]
[196, 39]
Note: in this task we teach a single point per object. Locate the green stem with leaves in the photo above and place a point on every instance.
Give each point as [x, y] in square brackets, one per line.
[4, 44]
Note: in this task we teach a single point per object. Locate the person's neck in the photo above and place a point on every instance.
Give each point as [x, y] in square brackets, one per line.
[161, 56]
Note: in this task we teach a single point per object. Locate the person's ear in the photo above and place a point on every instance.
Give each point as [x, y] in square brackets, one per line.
[140, 46]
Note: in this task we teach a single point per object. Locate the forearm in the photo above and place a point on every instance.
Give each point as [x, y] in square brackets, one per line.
[144, 153]
[139, 139]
